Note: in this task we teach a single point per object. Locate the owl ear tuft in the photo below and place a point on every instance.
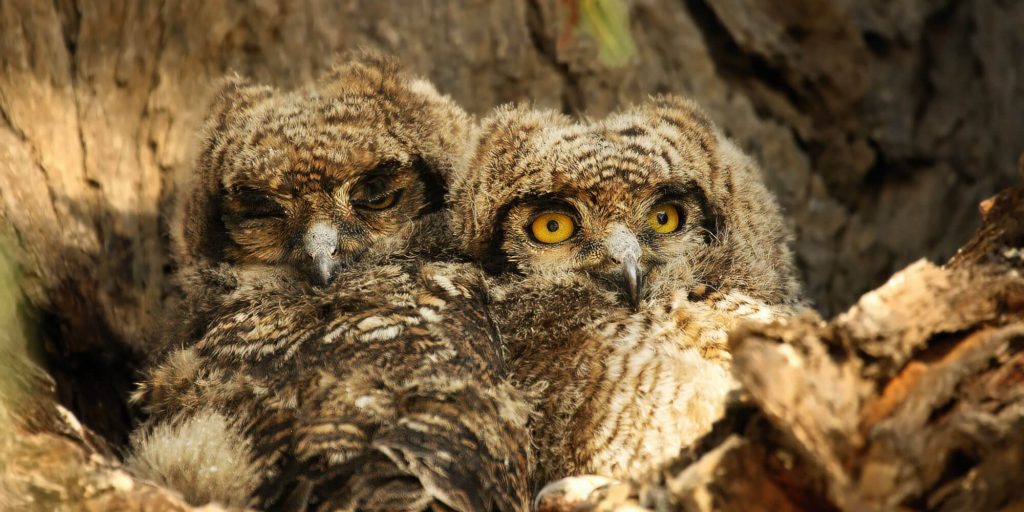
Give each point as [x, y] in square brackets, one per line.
[504, 137]
[434, 126]
[235, 97]
[438, 128]
[746, 233]
[443, 129]
[516, 122]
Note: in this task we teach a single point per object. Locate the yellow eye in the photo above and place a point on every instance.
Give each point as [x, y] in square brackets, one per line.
[381, 202]
[663, 218]
[551, 228]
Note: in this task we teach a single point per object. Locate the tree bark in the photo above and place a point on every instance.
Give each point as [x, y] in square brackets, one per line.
[879, 123]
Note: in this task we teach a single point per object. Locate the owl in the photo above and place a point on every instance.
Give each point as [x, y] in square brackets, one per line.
[620, 252]
[321, 359]
[381, 391]
[320, 177]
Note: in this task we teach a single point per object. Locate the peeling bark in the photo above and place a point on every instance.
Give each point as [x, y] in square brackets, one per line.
[51, 462]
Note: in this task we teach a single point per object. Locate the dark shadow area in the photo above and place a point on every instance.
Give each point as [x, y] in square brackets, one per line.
[95, 367]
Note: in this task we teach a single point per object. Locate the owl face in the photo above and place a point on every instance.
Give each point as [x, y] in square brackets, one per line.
[645, 202]
[319, 216]
[320, 178]
[621, 235]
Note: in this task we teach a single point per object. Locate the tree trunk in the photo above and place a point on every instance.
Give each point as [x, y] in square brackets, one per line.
[879, 123]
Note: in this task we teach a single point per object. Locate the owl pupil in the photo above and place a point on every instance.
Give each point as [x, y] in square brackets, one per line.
[662, 217]
[553, 226]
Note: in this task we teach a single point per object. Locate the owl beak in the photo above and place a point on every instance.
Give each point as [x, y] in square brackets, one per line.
[634, 280]
[624, 249]
[321, 243]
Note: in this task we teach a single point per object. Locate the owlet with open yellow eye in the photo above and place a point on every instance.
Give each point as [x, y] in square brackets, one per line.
[620, 253]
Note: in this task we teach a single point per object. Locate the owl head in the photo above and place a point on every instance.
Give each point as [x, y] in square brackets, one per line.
[320, 177]
[649, 200]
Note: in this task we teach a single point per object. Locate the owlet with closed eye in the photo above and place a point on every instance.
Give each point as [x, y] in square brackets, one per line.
[621, 251]
[325, 362]
[319, 177]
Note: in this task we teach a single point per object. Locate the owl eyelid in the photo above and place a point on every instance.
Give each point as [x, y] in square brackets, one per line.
[381, 176]
[385, 168]
[376, 186]
[553, 207]
[251, 214]
[394, 195]
[376, 183]
[677, 203]
[569, 212]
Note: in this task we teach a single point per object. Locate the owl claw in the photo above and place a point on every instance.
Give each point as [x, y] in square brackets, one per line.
[568, 493]
[587, 493]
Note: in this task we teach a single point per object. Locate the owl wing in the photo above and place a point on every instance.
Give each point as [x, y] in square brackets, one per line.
[448, 448]
[424, 422]
[383, 393]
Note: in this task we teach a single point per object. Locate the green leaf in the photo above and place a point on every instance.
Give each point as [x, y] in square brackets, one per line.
[607, 21]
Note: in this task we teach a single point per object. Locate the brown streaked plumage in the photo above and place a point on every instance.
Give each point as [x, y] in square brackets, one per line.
[382, 391]
[321, 176]
[375, 385]
[620, 318]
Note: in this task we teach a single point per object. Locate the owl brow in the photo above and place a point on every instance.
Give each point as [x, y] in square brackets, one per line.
[544, 202]
[683, 190]
[377, 179]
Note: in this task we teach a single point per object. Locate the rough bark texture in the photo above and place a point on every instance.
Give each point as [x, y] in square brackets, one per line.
[52, 463]
[880, 124]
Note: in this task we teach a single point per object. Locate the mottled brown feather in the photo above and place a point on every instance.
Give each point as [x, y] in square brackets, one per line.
[383, 390]
[303, 155]
[621, 389]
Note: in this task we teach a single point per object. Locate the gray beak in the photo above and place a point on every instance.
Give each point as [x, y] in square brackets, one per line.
[321, 243]
[624, 249]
